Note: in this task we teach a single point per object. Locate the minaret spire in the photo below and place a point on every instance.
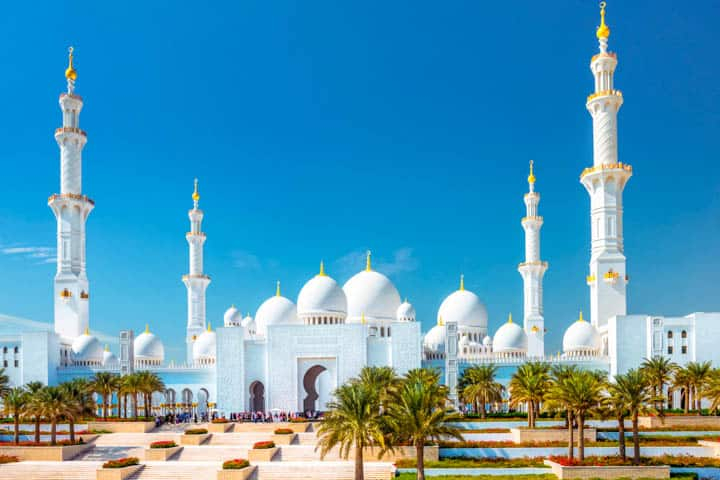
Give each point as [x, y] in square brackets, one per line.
[532, 271]
[71, 209]
[605, 182]
[195, 281]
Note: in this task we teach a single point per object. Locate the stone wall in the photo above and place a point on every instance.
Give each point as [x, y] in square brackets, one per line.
[541, 435]
[608, 473]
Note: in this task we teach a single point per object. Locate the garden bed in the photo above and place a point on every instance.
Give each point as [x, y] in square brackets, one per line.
[542, 435]
[598, 468]
[237, 469]
[162, 451]
[43, 452]
[284, 438]
[219, 426]
[262, 452]
[119, 469]
[704, 421]
[194, 438]
[122, 426]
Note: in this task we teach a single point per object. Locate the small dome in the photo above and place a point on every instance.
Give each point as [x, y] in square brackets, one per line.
[372, 295]
[205, 346]
[87, 348]
[510, 338]
[276, 310]
[464, 308]
[322, 295]
[434, 340]
[148, 347]
[232, 317]
[487, 341]
[581, 336]
[109, 359]
[246, 321]
[405, 312]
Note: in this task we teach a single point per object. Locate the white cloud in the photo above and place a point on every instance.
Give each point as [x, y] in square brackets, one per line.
[402, 261]
[39, 255]
[245, 260]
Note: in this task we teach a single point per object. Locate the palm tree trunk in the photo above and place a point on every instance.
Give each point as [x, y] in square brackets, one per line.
[570, 434]
[529, 414]
[687, 399]
[105, 407]
[636, 439]
[71, 424]
[621, 438]
[581, 436]
[37, 429]
[16, 437]
[420, 454]
[147, 406]
[135, 405]
[482, 408]
[53, 431]
[662, 402]
[359, 472]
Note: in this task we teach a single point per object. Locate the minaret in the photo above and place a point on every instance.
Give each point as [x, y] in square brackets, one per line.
[71, 209]
[605, 182]
[195, 281]
[532, 271]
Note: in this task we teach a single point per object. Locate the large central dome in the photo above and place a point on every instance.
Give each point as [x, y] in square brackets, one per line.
[321, 295]
[372, 295]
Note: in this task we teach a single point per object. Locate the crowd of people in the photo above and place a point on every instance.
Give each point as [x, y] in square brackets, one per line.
[254, 417]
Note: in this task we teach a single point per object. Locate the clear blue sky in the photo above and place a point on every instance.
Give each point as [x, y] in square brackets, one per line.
[321, 129]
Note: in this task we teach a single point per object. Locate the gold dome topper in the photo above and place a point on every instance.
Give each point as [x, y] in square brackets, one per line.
[70, 72]
[603, 31]
[196, 193]
[531, 177]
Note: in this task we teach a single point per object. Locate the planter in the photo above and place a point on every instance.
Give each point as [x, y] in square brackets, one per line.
[271, 427]
[262, 454]
[284, 439]
[117, 473]
[122, 427]
[161, 454]
[194, 439]
[242, 474]
[432, 454]
[712, 422]
[607, 473]
[219, 427]
[540, 435]
[46, 454]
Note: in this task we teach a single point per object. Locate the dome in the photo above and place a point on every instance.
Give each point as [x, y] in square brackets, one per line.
[232, 317]
[464, 308]
[87, 349]
[581, 336]
[487, 341]
[405, 312]
[247, 321]
[510, 338]
[205, 346]
[434, 340]
[371, 294]
[148, 347]
[276, 310]
[322, 295]
[109, 358]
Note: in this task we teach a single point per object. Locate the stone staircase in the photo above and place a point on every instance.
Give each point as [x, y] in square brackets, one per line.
[305, 453]
[321, 471]
[49, 471]
[134, 439]
[245, 438]
[104, 453]
[178, 471]
[211, 453]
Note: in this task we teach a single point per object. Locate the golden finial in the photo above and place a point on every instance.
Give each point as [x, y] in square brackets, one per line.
[531, 177]
[87, 330]
[70, 72]
[603, 31]
[534, 329]
[196, 193]
[510, 317]
[322, 269]
[209, 329]
[368, 262]
[362, 318]
[462, 282]
[107, 347]
[580, 318]
[147, 328]
[441, 322]
[277, 289]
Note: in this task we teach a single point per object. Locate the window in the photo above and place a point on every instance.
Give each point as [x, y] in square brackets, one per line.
[683, 334]
[382, 331]
[4, 363]
[670, 349]
[17, 363]
[670, 334]
[388, 331]
[5, 350]
[684, 350]
[17, 349]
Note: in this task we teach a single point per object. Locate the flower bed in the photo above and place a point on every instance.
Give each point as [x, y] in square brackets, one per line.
[463, 462]
[263, 445]
[196, 431]
[220, 420]
[8, 459]
[122, 462]
[235, 464]
[604, 467]
[122, 426]
[163, 444]
[283, 431]
[299, 420]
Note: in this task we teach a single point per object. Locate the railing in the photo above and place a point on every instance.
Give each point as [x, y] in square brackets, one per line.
[70, 130]
[604, 93]
[72, 196]
[607, 166]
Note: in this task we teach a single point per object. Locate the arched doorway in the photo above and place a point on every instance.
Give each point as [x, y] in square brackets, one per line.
[202, 402]
[310, 383]
[257, 397]
[187, 400]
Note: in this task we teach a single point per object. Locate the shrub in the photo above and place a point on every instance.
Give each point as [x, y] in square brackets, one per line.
[163, 444]
[263, 445]
[8, 459]
[30, 443]
[196, 431]
[235, 464]
[220, 420]
[298, 420]
[100, 431]
[283, 431]
[121, 462]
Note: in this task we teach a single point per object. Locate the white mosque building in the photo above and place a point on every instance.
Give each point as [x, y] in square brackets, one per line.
[292, 355]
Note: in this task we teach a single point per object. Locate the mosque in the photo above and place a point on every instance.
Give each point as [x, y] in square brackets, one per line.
[292, 355]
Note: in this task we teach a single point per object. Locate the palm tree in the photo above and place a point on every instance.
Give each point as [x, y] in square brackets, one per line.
[78, 394]
[149, 383]
[616, 405]
[683, 381]
[4, 382]
[104, 384]
[659, 372]
[584, 392]
[131, 386]
[14, 401]
[53, 405]
[634, 392]
[383, 379]
[712, 389]
[33, 407]
[558, 399]
[528, 385]
[352, 421]
[699, 373]
[478, 386]
[417, 413]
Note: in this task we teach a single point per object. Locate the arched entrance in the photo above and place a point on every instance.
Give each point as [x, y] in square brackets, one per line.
[202, 402]
[257, 397]
[310, 383]
[187, 400]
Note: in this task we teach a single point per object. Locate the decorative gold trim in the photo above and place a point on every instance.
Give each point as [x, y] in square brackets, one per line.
[65, 293]
[604, 93]
[72, 196]
[607, 166]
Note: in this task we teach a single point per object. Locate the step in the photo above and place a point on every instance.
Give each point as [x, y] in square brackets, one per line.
[211, 453]
[49, 470]
[178, 471]
[321, 471]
